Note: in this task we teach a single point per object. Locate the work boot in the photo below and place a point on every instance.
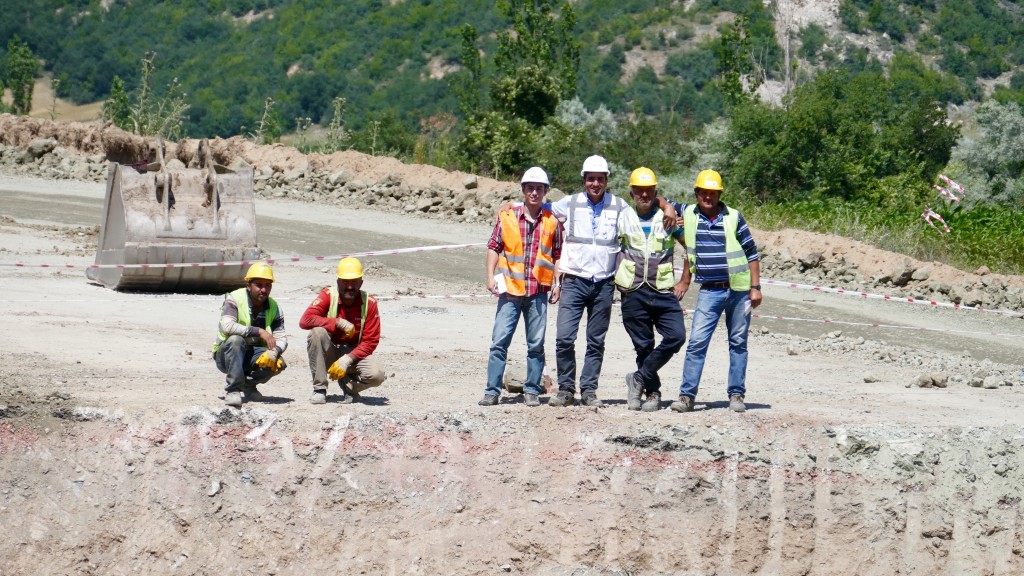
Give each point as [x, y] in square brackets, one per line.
[252, 393]
[233, 399]
[563, 398]
[488, 400]
[685, 404]
[736, 403]
[347, 389]
[532, 399]
[591, 399]
[653, 402]
[346, 399]
[318, 397]
[634, 389]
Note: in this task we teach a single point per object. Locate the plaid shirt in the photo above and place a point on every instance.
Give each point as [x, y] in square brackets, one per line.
[530, 231]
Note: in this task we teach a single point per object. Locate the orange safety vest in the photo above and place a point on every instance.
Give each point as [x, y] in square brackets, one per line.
[513, 262]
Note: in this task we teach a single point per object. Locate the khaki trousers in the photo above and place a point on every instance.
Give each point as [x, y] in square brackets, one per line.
[363, 374]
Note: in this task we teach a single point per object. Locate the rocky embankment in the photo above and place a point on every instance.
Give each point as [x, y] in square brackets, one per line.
[55, 150]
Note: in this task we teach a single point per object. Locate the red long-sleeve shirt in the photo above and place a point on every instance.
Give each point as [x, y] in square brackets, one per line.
[316, 315]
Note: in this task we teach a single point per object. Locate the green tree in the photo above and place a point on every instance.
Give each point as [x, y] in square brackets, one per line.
[992, 162]
[541, 40]
[842, 136]
[466, 85]
[117, 108]
[536, 68]
[735, 63]
[22, 69]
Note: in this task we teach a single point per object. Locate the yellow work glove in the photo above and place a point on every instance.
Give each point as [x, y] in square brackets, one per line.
[340, 367]
[347, 328]
[278, 365]
[270, 361]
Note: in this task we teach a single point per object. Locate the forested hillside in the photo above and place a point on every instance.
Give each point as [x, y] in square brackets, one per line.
[395, 58]
[836, 115]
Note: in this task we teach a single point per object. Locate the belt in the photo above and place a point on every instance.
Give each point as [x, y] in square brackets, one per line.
[568, 276]
[714, 285]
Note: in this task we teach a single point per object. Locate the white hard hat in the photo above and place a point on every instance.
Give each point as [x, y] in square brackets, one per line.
[595, 164]
[536, 175]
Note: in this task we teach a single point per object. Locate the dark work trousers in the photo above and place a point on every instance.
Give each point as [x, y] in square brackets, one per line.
[645, 310]
[579, 294]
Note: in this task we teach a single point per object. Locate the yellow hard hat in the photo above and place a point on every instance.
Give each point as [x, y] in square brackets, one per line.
[708, 180]
[643, 177]
[350, 269]
[260, 270]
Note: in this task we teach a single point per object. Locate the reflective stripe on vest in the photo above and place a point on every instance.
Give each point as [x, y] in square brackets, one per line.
[332, 312]
[735, 257]
[576, 246]
[241, 298]
[646, 259]
[512, 264]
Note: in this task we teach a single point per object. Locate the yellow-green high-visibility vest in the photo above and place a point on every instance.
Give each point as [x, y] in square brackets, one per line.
[332, 312]
[735, 257]
[241, 298]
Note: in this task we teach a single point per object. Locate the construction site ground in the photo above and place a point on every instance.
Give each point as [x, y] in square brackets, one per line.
[119, 456]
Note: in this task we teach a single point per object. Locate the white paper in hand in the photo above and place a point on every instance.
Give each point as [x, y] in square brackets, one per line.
[499, 283]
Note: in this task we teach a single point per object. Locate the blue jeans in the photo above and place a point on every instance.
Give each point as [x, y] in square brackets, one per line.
[643, 311]
[579, 294]
[534, 310]
[710, 305]
[238, 360]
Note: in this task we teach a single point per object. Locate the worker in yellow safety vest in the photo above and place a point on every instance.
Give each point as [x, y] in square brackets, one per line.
[722, 257]
[251, 337]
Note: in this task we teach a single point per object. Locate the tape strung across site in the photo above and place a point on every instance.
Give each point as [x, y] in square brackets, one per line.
[490, 297]
[769, 281]
[869, 295]
[246, 262]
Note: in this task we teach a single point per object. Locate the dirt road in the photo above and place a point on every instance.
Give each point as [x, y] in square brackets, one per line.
[118, 455]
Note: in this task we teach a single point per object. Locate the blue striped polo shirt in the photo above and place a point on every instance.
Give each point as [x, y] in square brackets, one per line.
[711, 263]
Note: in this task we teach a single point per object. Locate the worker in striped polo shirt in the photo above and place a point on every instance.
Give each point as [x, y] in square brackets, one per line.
[722, 258]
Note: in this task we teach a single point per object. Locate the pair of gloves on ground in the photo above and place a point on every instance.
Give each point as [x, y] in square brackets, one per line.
[270, 361]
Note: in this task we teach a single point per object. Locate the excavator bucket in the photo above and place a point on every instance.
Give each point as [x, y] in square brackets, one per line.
[168, 228]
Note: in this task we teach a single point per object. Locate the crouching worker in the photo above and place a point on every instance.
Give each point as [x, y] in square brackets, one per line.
[251, 340]
[344, 330]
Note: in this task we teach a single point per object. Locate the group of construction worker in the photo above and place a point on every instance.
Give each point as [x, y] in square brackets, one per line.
[344, 330]
[576, 251]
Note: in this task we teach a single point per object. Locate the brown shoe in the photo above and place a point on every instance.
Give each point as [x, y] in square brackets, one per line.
[684, 404]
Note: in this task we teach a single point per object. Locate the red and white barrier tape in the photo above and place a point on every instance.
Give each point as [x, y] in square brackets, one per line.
[768, 281]
[889, 326]
[246, 262]
[491, 297]
[872, 296]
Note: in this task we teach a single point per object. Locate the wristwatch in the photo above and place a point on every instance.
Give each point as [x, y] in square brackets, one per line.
[755, 287]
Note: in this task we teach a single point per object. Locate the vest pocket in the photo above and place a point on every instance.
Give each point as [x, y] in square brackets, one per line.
[626, 273]
[666, 276]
